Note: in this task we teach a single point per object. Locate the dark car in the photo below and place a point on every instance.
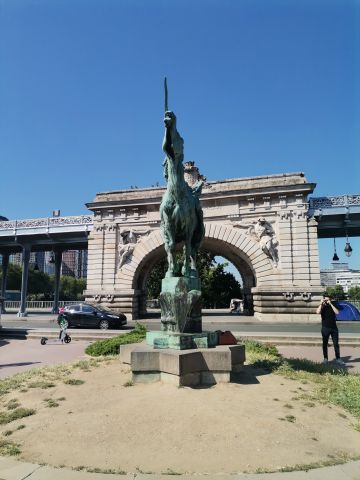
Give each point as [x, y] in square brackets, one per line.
[86, 315]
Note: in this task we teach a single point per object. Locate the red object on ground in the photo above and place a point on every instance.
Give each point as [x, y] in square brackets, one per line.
[227, 338]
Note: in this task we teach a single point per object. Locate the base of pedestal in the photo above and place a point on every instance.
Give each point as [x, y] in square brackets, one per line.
[181, 341]
[183, 368]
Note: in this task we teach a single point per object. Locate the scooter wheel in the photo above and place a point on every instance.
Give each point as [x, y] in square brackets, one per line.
[67, 339]
[43, 341]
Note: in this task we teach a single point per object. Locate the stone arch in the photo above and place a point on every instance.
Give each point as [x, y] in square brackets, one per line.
[225, 240]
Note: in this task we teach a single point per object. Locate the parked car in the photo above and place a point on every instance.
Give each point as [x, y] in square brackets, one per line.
[86, 315]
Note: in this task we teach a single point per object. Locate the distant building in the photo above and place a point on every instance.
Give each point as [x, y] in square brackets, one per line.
[16, 258]
[69, 263]
[74, 262]
[340, 274]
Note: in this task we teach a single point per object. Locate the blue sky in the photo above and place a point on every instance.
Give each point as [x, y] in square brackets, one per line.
[259, 87]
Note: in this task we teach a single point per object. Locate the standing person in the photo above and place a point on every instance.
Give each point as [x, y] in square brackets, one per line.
[328, 313]
[63, 326]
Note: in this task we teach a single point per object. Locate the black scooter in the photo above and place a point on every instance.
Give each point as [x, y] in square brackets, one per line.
[44, 340]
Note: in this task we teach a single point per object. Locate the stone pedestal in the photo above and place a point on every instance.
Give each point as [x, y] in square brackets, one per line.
[181, 341]
[183, 368]
[180, 301]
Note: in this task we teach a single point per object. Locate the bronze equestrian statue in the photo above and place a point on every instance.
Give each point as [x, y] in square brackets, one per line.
[180, 209]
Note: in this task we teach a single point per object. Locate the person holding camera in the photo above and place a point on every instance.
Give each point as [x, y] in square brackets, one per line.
[328, 313]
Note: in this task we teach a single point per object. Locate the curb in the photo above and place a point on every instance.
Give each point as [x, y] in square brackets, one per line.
[348, 340]
[15, 470]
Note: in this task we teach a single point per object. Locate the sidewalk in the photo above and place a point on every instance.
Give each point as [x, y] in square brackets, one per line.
[350, 355]
[14, 470]
[20, 355]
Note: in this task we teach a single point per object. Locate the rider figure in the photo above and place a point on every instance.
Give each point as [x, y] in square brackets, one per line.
[63, 326]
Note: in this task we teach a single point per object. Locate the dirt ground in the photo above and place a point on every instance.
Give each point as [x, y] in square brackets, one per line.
[260, 421]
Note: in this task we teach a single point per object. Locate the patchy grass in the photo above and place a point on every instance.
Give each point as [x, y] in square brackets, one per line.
[51, 403]
[304, 467]
[332, 385]
[45, 377]
[110, 471]
[12, 404]
[169, 471]
[74, 381]
[9, 448]
[88, 364]
[7, 417]
[111, 346]
[129, 383]
[288, 418]
[357, 426]
[41, 384]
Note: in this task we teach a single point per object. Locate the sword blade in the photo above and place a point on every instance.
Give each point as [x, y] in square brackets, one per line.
[166, 95]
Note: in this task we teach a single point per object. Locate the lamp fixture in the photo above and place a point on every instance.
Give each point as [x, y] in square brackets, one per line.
[335, 256]
[52, 257]
[348, 249]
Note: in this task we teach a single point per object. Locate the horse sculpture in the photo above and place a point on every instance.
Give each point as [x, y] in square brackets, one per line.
[180, 209]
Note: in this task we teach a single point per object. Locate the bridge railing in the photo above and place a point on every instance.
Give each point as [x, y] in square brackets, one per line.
[48, 222]
[36, 304]
[316, 203]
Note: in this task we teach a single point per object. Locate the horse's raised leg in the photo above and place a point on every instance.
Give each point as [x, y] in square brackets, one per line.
[170, 250]
[169, 244]
[187, 253]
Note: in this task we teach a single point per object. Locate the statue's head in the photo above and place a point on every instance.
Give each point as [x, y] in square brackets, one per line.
[169, 119]
[262, 220]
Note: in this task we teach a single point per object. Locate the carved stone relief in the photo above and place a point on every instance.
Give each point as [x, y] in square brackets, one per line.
[129, 237]
[103, 298]
[263, 232]
[290, 296]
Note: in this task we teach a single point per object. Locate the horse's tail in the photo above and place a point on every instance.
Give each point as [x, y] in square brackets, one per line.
[199, 232]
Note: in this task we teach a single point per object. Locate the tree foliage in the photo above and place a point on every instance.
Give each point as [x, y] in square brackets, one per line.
[71, 288]
[41, 285]
[218, 286]
[336, 292]
[354, 293]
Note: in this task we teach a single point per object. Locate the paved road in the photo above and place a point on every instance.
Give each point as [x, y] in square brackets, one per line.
[211, 321]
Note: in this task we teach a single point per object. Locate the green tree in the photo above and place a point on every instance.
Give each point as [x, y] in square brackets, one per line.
[72, 288]
[40, 283]
[354, 293]
[218, 286]
[337, 292]
[13, 277]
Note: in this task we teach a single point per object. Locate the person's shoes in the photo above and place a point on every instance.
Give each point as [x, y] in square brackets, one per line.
[340, 362]
[325, 361]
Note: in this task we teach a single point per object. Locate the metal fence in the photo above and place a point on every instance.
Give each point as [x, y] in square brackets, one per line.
[36, 304]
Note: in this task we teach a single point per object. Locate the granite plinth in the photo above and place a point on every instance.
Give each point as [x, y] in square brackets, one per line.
[183, 367]
[180, 302]
[181, 341]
